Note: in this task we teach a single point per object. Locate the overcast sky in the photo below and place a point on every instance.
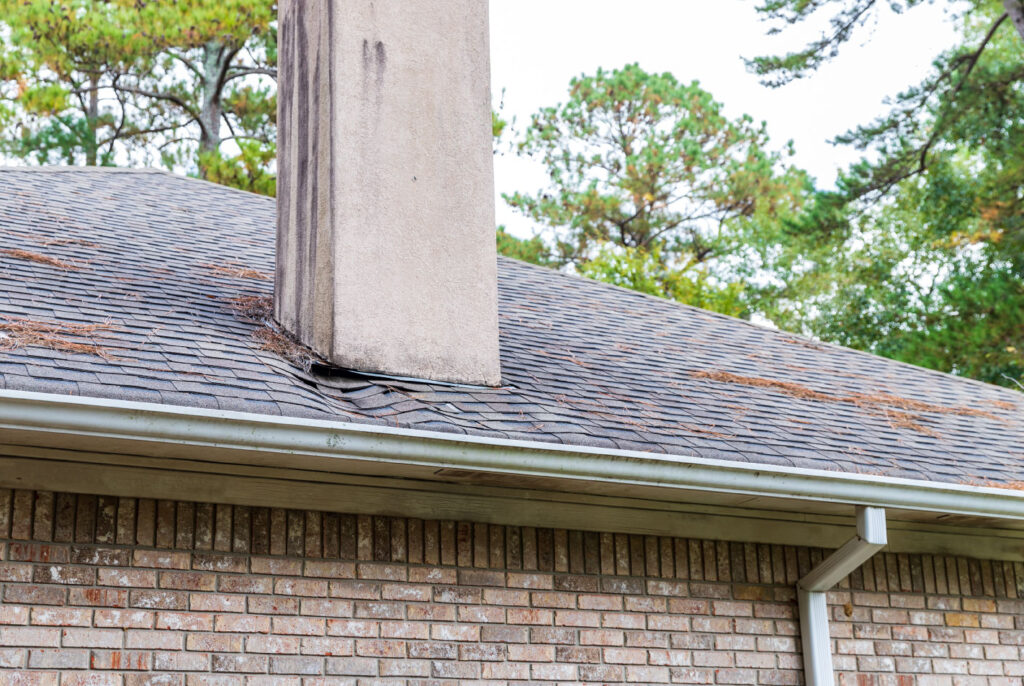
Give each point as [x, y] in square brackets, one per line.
[538, 45]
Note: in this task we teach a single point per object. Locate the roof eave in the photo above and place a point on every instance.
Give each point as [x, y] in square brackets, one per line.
[124, 427]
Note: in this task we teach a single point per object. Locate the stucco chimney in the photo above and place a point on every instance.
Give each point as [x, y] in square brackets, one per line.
[385, 241]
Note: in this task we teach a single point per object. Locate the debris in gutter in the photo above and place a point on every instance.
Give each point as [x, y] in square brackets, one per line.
[40, 258]
[17, 332]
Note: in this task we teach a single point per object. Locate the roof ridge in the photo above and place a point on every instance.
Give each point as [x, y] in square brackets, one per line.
[65, 168]
[58, 168]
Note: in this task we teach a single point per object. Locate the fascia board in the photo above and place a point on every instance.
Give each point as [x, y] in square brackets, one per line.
[368, 446]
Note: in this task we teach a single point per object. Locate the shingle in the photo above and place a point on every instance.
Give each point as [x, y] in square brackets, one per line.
[588, 364]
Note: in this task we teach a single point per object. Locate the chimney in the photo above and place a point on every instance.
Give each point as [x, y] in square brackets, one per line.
[386, 259]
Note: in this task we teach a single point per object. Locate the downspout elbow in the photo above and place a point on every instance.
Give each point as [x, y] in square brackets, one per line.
[812, 592]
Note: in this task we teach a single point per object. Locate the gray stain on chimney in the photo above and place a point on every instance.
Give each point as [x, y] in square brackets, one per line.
[375, 62]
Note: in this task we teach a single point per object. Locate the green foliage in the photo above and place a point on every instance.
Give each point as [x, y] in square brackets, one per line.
[122, 81]
[644, 271]
[248, 170]
[846, 17]
[532, 250]
[651, 165]
[919, 255]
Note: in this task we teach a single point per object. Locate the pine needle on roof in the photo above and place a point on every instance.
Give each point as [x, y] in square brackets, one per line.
[257, 308]
[18, 332]
[276, 342]
[239, 272]
[40, 258]
[895, 409]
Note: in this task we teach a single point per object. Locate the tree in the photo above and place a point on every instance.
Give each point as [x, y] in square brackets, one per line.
[919, 253]
[99, 82]
[647, 175]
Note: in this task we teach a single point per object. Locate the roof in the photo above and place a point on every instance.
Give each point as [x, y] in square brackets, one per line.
[144, 286]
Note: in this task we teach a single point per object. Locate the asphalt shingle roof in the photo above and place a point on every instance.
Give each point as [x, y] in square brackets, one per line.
[161, 259]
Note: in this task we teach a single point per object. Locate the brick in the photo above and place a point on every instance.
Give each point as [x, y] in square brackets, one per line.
[384, 572]
[501, 596]
[210, 602]
[291, 664]
[406, 592]
[518, 615]
[650, 675]
[13, 658]
[158, 600]
[124, 618]
[376, 648]
[161, 559]
[184, 621]
[439, 613]
[505, 671]
[98, 597]
[353, 627]
[301, 626]
[432, 575]
[154, 679]
[153, 640]
[54, 616]
[242, 624]
[432, 650]
[330, 569]
[120, 659]
[577, 618]
[27, 594]
[213, 643]
[13, 614]
[15, 572]
[125, 578]
[531, 653]
[316, 588]
[61, 658]
[38, 552]
[25, 678]
[456, 594]
[246, 664]
[454, 632]
[91, 638]
[91, 679]
[245, 584]
[531, 581]
[358, 590]
[352, 666]
[327, 646]
[188, 581]
[275, 565]
[64, 574]
[217, 562]
[407, 630]
[553, 672]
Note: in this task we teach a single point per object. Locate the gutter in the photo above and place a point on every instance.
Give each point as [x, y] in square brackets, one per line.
[123, 426]
[812, 592]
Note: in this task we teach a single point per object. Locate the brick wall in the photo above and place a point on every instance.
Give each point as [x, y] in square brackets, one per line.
[123, 591]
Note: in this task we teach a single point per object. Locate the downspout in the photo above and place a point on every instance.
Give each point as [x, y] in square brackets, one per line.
[812, 592]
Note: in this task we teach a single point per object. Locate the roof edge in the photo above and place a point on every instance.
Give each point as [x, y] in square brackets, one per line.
[39, 417]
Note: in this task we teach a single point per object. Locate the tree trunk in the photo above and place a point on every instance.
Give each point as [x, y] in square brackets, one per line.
[215, 58]
[92, 118]
[1015, 10]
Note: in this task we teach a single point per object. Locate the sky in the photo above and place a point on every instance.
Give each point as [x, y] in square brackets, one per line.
[537, 46]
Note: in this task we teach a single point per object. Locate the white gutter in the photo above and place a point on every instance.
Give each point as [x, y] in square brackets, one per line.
[812, 591]
[41, 419]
